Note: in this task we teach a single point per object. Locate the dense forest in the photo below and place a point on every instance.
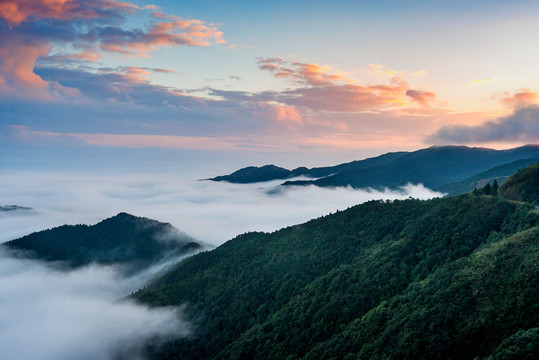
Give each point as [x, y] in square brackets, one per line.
[134, 242]
[451, 278]
[523, 186]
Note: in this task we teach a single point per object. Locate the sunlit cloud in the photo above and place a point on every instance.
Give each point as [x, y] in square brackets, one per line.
[325, 89]
[521, 99]
[75, 32]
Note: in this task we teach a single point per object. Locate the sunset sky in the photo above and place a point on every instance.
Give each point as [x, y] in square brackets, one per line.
[289, 82]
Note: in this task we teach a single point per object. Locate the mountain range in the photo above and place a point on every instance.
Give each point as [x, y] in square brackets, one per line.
[448, 278]
[451, 169]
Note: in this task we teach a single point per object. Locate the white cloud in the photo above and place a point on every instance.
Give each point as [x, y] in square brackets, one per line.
[209, 211]
[52, 315]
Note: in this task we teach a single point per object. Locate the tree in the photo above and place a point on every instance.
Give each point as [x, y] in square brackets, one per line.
[495, 187]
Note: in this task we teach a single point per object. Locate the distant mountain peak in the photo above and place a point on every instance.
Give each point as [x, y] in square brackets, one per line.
[124, 239]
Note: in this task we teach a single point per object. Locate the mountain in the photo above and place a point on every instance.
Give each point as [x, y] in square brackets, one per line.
[271, 172]
[255, 174]
[498, 173]
[455, 277]
[523, 186]
[134, 242]
[11, 208]
[435, 167]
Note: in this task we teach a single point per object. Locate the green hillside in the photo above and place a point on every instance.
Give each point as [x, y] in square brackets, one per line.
[523, 186]
[446, 278]
[125, 239]
[499, 173]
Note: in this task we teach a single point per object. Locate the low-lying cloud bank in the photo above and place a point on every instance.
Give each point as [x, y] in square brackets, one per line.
[211, 212]
[521, 125]
[48, 314]
[53, 315]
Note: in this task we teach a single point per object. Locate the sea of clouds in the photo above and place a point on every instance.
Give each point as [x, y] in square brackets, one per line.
[50, 314]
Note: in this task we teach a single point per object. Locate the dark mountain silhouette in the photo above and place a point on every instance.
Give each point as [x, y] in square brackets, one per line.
[134, 242]
[435, 167]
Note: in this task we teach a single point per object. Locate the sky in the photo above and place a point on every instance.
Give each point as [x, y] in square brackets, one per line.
[168, 83]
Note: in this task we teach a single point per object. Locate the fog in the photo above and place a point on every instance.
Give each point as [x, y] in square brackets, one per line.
[49, 314]
[212, 212]
[53, 315]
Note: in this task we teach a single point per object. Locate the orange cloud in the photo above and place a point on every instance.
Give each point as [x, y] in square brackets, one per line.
[287, 113]
[423, 98]
[100, 31]
[523, 98]
[329, 90]
[17, 60]
[310, 74]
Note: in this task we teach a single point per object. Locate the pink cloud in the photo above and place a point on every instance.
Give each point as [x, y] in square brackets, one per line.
[329, 90]
[423, 98]
[523, 98]
[17, 60]
[286, 113]
[100, 28]
[310, 74]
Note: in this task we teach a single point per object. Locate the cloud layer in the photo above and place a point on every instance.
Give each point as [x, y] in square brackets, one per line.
[209, 211]
[49, 315]
[54, 315]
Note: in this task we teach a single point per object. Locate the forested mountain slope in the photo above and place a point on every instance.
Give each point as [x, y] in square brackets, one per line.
[123, 239]
[447, 278]
[523, 186]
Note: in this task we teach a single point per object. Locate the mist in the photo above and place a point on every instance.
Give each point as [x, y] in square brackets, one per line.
[211, 212]
[49, 314]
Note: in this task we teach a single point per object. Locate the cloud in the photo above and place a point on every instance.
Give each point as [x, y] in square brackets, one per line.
[128, 84]
[305, 73]
[424, 98]
[327, 90]
[209, 211]
[17, 11]
[77, 32]
[54, 315]
[522, 125]
[521, 99]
